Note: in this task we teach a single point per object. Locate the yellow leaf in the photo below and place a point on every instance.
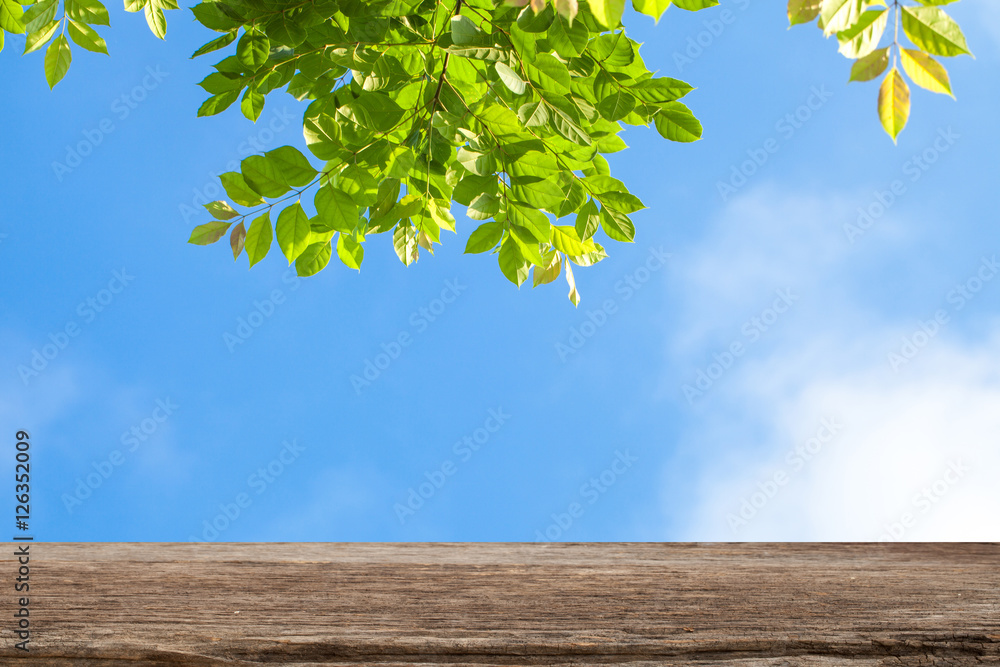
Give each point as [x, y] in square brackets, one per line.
[574, 295]
[926, 72]
[894, 103]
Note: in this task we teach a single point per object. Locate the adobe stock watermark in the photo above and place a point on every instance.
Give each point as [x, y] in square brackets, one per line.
[626, 288]
[786, 127]
[958, 297]
[435, 479]
[914, 169]
[261, 312]
[87, 311]
[122, 107]
[796, 458]
[258, 482]
[420, 320]
[924, 501]
[592, 490]
[131, 440]
[696, 45]
[753, 329]
[258, 141]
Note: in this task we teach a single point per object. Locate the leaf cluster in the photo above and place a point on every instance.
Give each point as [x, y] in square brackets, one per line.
[861, 28]
[416, 105]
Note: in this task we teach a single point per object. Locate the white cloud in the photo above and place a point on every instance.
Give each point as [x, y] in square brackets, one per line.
[892, 436]
[930, 426]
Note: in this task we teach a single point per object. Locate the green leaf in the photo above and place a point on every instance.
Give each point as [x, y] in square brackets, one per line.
[510, 78]
[695, 5]
[236, 240]
[351, 252]
[803, 11]
[314, 259]
[871, 66]
[925, 71]
[336, 209]
[401, 162]
[87, 11]
[660, 90]
[217, 82]
[534, 114]
[212, 16]
[208, 233]
[527, 244]
[549, 74]
[894, 103]
[483, 207]
[39, 15]
[588, 220]
[481, 164]
[292, 231]
[214, 45]
[293, 165]
[464, 31]
[617, 225]
[286, 29]
[11, 14]
[531, 219]
[654, 8]
[590, 258]
[87, 37]
[838, 15]
[135, 5]
[616, 105]
[218, 103]
[252, 104]
[864, 36]
[566, 239]
[569, 41]
[675, 122]
[253, 49]
[614, 50]
[934, 32]
[441, 214]
[322, 135]
[608, 12]
[57, 60]
[533, 166]
[37, 40]
[264, 176]
[512, 263]
[238, 189]
[485, 237]
[531, 21]
[404, 242]
[258, 241]
[623, 202]
[540, 194]
[154, 18]
[220, 210]
[564, 118]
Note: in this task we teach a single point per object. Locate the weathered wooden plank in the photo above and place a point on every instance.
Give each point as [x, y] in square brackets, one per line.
[747, 605]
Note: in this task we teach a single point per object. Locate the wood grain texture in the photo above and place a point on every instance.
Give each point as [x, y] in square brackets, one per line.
[510, 604]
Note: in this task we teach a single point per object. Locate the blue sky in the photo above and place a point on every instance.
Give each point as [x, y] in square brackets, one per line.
[148, 426]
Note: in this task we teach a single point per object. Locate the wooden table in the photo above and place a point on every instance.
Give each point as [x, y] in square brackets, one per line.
[508, 604]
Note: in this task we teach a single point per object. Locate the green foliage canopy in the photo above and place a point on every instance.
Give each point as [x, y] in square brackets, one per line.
[505, 108]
